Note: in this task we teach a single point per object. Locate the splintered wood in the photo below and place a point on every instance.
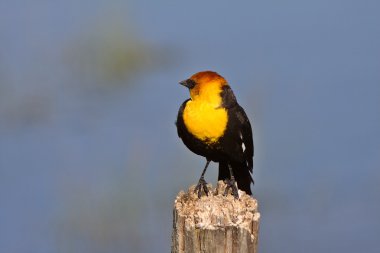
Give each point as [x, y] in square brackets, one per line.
[215, 223]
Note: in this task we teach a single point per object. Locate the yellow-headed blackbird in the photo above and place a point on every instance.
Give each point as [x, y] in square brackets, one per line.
[212, 124]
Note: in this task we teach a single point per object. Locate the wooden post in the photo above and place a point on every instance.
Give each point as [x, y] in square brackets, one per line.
[215, 223]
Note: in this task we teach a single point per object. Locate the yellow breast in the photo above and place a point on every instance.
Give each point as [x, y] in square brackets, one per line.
[204, 120]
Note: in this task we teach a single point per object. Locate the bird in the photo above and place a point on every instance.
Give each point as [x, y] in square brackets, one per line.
[212, 124]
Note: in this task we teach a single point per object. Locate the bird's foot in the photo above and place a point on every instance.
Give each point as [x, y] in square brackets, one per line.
[231, 184]
[202, 184]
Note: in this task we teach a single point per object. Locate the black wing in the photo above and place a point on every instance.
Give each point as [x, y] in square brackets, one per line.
[237, 143]
[246, 136]
[240, 127]
[179, 122]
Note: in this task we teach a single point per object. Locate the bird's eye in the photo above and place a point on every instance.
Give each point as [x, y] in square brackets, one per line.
[189, 83]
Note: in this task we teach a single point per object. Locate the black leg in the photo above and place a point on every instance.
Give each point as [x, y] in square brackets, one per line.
[231, 183]
[202, 182]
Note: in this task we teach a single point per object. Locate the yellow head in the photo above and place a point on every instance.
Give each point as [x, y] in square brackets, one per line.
[206, 86]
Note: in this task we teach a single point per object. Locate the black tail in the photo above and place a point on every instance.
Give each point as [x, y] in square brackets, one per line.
[241, 173]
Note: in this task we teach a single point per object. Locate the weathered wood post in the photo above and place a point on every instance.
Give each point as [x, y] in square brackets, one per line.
[215, 223]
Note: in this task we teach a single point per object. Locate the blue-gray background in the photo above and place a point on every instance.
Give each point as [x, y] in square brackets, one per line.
[89, 156]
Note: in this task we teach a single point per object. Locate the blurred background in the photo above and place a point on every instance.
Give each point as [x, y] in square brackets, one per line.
[90, 160]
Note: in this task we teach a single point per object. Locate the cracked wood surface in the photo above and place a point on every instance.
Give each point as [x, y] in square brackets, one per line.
[215, 223]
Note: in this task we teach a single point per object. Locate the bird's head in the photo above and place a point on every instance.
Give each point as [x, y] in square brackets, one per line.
[206, 85]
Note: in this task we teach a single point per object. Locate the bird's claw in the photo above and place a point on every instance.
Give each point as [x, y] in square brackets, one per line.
[202, 184]
[231, 184]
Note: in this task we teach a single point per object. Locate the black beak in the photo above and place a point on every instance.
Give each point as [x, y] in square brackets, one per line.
[188, 83]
